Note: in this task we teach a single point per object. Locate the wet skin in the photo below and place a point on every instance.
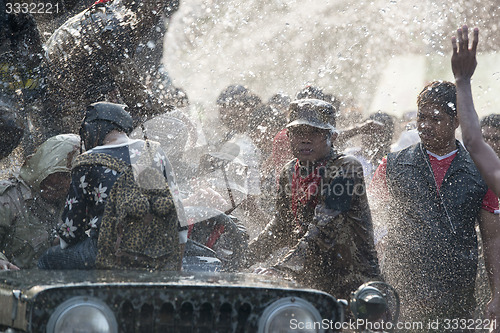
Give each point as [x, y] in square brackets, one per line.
[309, 144]
[436, 129]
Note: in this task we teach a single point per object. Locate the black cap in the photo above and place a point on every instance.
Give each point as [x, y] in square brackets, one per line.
[112, 112]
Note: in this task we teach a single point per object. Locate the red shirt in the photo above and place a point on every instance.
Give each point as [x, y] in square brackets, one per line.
[440, 165]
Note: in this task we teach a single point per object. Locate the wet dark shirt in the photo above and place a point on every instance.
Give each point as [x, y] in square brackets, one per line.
[330, 249]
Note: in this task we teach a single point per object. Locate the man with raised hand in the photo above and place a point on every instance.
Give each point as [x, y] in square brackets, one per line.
[463, 64]
[428, 198]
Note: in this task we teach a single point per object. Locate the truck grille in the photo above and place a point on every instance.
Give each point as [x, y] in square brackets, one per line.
[188, 318]
[183, 309]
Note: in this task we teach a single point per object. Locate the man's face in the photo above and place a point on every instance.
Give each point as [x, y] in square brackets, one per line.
[436, 128]
[54, 188]
[308, 143]
[492, 137]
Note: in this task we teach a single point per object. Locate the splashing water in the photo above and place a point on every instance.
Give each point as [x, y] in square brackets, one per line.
[377, 53]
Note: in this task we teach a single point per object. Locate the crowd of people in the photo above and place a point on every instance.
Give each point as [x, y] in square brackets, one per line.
[328, 203]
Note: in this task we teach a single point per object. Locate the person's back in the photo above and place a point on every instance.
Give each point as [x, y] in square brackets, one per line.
[135, 192]
[32, 201]
[104, 131]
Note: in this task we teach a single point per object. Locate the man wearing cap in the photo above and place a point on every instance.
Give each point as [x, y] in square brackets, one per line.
[322, 216]
[32, 201]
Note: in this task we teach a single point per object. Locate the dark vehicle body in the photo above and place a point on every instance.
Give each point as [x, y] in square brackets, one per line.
[141, 301]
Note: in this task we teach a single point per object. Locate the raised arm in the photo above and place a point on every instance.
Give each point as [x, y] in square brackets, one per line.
[463, 64]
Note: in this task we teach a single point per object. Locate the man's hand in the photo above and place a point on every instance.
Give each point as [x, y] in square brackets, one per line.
[7, 266]
[463, 60]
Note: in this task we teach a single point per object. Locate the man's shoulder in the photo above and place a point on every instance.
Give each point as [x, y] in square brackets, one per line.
[466, 162]
[8, 184]
[344, 161]
[403, 154]
[5, 184]
[464, 154]
[13, 189]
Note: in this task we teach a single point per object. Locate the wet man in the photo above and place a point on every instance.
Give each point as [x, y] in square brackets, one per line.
[431, 195]
[322, 213]
[92, 57]
[32, 201]
[463, 64]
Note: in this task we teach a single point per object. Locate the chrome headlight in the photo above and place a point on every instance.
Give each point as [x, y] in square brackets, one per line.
[82, 314]
[290, 314]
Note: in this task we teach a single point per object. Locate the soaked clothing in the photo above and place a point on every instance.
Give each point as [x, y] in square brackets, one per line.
[28, 222]
[85, 203]
[440, 166]
[324, 218]
[430, 250]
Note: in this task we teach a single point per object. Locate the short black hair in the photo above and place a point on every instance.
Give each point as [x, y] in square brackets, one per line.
[491, 120]
[268, 115]
[386, 120]
[280, 100]
[442, 94]
[238, 96]
[317, 93]
[311, 92]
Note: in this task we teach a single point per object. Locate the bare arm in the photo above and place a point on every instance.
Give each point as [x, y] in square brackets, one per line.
[463, 63]
[489, 224]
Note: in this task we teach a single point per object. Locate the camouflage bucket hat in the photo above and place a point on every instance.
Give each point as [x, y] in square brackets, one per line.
[312, 112]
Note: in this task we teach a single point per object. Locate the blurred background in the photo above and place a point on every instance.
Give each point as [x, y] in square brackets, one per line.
[373, 55]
